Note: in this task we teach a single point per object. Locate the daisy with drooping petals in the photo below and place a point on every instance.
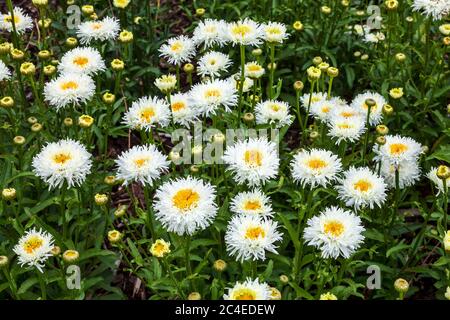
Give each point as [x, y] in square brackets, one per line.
[210, 32]
[346, 129]
[98, 30]
[253, 161]
[273, 112]
[209, 96]
[437, 9]
[336, 232]
[146, 113]
[143, 164]
[252, 203]
[275, 32]
[316, 167]
[253, 70]
[82, 60]
[249, 290]
[183, 110]
[5, 74]
[185, 205]
[409, 173]
[69, 89]
[66, 161]
[432, 175]
[22, 21]
[248, 237]
[361, 188]
[397, 149]
[359, 104]
[245, 32]
[213, 63]
[178, 50]
[34, 248]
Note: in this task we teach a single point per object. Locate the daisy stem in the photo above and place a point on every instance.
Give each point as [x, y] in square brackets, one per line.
[307, 110]
[241, 83]
[13, 23]
[177, 67]
[330, 85]
[117, 82]
[42, 284]
[297, 107]
[12, 283]
[397, 192]
[255, 269]
[366, 139]
[187, 250]
[63, 210]
[44, 35]
[445, 198]
[272, 69]
[172, 277]
[149, 213]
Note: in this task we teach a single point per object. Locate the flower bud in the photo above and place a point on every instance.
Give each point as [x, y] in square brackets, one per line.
[55, 251]
[391, 4]
[27, 69]
[219, 138]
[248, 117]
[174, 156]
[44, 54]
[101, 199]
[108, 98]
[5, 48]
[8, 194]
[70, 256]
[121, 4]
[357, 54]
[87, 9]
[117, 65]
[313, 73]
[332, 72]
[382, 129]
[400, 57]
[114, 236]
[284, 279]
[19, 140]
[445, 29]
[3, 261]
[219, 265]
[298, 85]
[7, 102]
[388, 109]
[126, 36]
[275, 294]
[49, 70]
[370, 103]
[298, 26]
[194, 296]
[71, 42]
[188, 68]
[314, 134]
[401, 285]
[121, 211]
[32, 120]
[323, 66]
[200, 12]
[443, 172]
[17, 54]
[396, 93]
[446, 41]
[85, 121]
[256, 52]
[364, 57]
[68, 122]
[160, 248]
[36, 127]
[46, 24]
[194, 169]
[381, 140]
[325, 9]
[271, 66]
[327, 296]
[110, 180]
[345, 3]
[317, 60]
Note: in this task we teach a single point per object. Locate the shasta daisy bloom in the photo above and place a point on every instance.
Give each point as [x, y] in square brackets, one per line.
[22, 21]
[315, 167]
[178, 50]
[82, 60]
[253, 202]
[346, 112]
[273, 112]
[253, 161]
[69, 89]
[346, 129]
[275, 32]
[183, 110]
[249, 290]
[397, 149]
[143, 164]
[359, 104]
[437, 9]
[34, 248]
[5, 74]
[409, 173]
[322, 109]
[209, 96]
[185, 205]
[213, 63]
[361, 188]
[432, 175]
[245, 32]
[99, 30]
[248, 237]
[66, 161]
[336, 232]
[253, 70]
[146, 113]
[248, 82]
[316, 97]
[166, 83]
[210, 32]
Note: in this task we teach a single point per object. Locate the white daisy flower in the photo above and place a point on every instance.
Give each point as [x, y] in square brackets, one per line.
[346, 129]
[359, 104]
[409, 173]
[374, 37]
[183, 110]
[253, 202]
[166, 83]
[397, 149]
[253, 161]
[316, 167]
[316, 97]
[5, 74]
[185, 205]
[210, 32]
[209, 96]
[34, 248]
[253, 70]
[178, 50]
[143, 164]
[245, 32]
[66, 161]
[99, 30]
[346, 112]
[213, 63]
[22, 21]
[437, 181]
[69, 89]
[248, 82]
[249, 290]
[361, 188]
[336, 232]
[248, 237]
[82, 60]
[273, 112]
[275, 32]
[146, 113]
[437, 9]
[323, 109]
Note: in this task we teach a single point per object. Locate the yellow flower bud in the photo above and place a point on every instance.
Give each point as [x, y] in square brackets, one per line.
[36, 127]
[7, 102]
[121, 211]
[298, 85]
[109, 98]
[317, 60]
[110, 180]
[325, 9]
[400, 57]
[248, 117]
[257, 52]
[396, 93]
[401, 285]
[298, 26]
[5, 48]
[194, 169]
[27, 69]
[55, 251]
[3, 261]
[284, 279]
[328, 296]
[160, 248]
[85, 121]
[332, 72]
[313, 73]
[443, 172]
[70, 256]
[117, 65]
[114, 236]
[68, 122]
[126, 36]
[382, 129]
[275, 294]
[200, 12]
[19, 140]
[365, 57]
[381, 140]
[219, 265]
[9, 194]
[49, 70]
[47, 23]
[101, 199]
[40, 3]
[194, 296]
[391, 4]
[17, 54]
[87, 9]
[121, 4]
[71, 42]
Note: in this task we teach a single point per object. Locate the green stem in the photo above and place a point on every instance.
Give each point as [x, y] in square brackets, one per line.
[149, 213]
[241, 83]
[272, 69]
[42, 285]
[366, 139]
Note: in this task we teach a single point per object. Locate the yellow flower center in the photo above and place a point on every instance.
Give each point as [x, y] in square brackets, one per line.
[186, 199]
[212, 61]
[8, 19]
[177, 106]
[253, 158]
[62, 158]
[69, 85]
[254, 233]
[32, 244]
[273, 30]
[96, 26]
[81, 61]
[347, 114]
[325, 109]
[212, 93]
[362, 185]
[176, 46]
[275, 107]
[241, 30]
[334, 228]
[159, 248]
[315, 99]
[141, 161]
[252, 205]
[244, 294]
[254, 68]
[147, 114]
[397, 148]
[365, 107]
[316, 164]
[344, 126]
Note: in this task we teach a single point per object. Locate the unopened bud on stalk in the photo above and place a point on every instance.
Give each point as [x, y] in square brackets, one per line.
[275, 294]
[314, 134]
[424, 149]
[446, 41]
[357, 54]
[345, 3]
[297, 25]
[219, 265]
[188, 68]
[5, 48]
[360, 13]
[271, 66]
[298, 85]
[110, 180]
[391, 4]
[256, 52]
[19, 140]
[194, 296]
[370, 103]
[332, 72]
[85, 121]
[325, 9]
[32, 120]
[317, 60]
[194, 169]
[87, 9]
[17, 54]
[443, 172]
[381, 140]
[401, 285]
[253, 98]
[108, 98]
[126, 36]
[7, 102]
[364, 57]
[284, 279]
[388, 109]
[219, 138]
[121, 211]
[68, 122]
[27, 69]
[9, 194]
[117, 65]
[400, 57]
[323, 66]
[114, 236]
[47, 23]
[36, 127]
[396, 93]
[313, 74]
[101, 199]
[200, 12]
[3, 261]
[71, 42]
[70, 2]
[44, 54]
[327, 296]
[248, 117]
[49, 70]
[55, 251]
[382, 129]
[70, 256]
